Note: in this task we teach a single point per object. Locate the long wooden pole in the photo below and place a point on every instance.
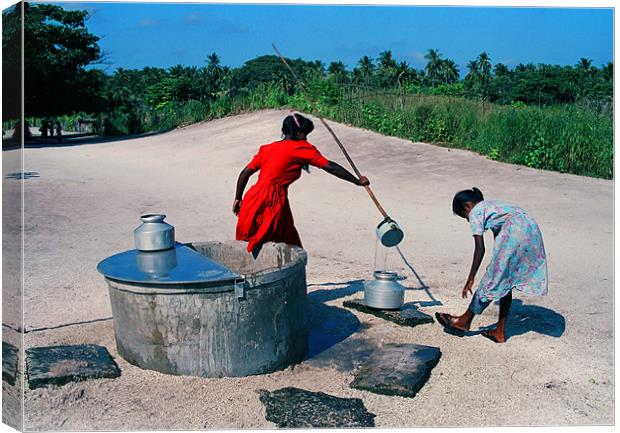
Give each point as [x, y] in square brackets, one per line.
[346, 154]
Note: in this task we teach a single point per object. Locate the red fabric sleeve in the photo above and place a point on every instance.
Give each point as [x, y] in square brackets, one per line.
[256, 161]
[308, 154]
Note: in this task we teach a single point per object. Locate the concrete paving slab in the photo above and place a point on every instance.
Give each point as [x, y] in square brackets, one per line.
[57, 365]
[408, 315]
[297, 408]
[398, 369]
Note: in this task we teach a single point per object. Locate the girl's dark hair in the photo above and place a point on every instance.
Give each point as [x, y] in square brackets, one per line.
[473, 195]
[290, 127]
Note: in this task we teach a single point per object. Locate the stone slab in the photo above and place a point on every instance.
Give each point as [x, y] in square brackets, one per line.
[408, 315]
[397, 369]
[9, 362]
[59, 365]
[297, 408]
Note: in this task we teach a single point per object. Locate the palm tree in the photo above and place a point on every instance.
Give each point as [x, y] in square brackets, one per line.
[484, 64]
[213, 73]
[472, 79]
[449, 71]
[403, 74]
[584, 64]
[177, 70]
[386, 60]
[338, 71]
[356, 75]
[434, 64]
[213, 64]
[474, 70]
[336, 68]
[367, 68]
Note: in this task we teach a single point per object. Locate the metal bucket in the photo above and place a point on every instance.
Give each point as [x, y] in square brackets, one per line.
[384, 292]
[389, 233]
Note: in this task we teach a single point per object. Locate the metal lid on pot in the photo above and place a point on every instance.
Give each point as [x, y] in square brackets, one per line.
[178, 265]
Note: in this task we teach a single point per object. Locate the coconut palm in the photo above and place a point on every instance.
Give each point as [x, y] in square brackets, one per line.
[386, 60]
[484, 65]
[336, 68]
[449, 71]
[433, 66]
[584, 64]
[213, 65]
[403, 73]
[177, 70]
[387, 69]
[357, 75]
[367, 68]
[472, 79]
[338, 71]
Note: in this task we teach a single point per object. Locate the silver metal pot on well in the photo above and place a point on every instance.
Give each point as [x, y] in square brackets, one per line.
[384, 292]
[154, 234]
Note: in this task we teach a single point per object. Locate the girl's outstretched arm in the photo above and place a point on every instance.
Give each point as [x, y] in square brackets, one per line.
[478, 256]
[342, 173]
[242, 182]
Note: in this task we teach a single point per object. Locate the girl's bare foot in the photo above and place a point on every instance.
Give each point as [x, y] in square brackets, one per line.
[494, 335]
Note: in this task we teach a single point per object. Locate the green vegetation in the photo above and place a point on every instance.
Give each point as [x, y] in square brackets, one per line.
[542, 116]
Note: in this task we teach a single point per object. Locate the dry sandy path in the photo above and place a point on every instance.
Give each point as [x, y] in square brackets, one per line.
[556, 368]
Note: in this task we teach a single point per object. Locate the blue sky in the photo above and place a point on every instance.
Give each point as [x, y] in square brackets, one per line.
[134, 35]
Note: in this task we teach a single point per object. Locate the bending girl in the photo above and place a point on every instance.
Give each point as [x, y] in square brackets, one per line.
[518, 262]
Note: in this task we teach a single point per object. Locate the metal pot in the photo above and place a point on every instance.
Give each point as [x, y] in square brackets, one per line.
[389, 233]
[384, 292]
[154, 234]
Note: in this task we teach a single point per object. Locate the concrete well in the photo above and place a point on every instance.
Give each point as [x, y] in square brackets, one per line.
[214, 330]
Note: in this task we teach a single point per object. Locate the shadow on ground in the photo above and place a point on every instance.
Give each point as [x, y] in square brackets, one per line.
[524, 318]
[74, 140]
[533, 318]
[324, 295]
[329, 325]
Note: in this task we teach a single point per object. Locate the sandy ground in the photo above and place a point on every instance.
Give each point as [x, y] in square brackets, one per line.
[555, 369]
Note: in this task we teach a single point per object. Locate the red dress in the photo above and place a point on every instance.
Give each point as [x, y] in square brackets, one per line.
[265, 214]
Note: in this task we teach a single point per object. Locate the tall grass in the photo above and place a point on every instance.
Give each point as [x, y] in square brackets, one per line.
[560, 138]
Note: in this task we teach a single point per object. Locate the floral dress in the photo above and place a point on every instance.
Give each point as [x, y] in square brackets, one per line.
[519, 259]
[265, 214]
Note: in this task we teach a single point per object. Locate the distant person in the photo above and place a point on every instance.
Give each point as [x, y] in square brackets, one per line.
[44, 129]
[22, 130]
[58, 131]
[264, 214]
[518, 262]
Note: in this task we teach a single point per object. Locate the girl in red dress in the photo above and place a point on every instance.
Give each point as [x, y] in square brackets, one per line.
[264, 214]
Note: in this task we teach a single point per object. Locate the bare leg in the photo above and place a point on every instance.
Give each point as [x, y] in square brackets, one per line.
[498, 334]
[464, 320]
